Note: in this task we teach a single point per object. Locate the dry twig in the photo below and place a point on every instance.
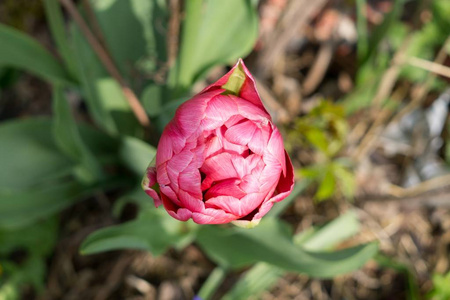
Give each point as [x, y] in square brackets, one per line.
[376, 129]
[429, 66]
[298, 13]
[319, 67]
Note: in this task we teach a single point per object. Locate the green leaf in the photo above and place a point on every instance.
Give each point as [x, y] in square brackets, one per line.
[317, 137]
[137, 45]
[331, 234]
[154, 230]
[327, 186]
[30, 238]
[235, 81]
[361, 27]
[32, 271]
[258, 279]
[441, 287]
[57, 26]
[22, 208]
[263, 276]
[271, 242]
[103, 95]
[28, 155]
[152, 99]
[68, 138]
[136, 154]
[145, 48]
[441, 11]
[214, 280]
[214, 32]
[20, 51]
[383, 29]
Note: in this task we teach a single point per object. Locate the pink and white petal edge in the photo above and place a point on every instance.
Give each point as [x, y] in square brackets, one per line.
[148, 181]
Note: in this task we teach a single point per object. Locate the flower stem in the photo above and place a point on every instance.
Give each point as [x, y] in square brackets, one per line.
[213, 282]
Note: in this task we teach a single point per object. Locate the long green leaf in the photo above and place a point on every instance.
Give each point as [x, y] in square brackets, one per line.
[68, 138]
[271, 242]
[29, 156]
[154, 231]
[18, 209]
[58, 28]
[214, 32]
[331, 234]
[20, 51]
[263, 276]
[259, 278]
[136, 154]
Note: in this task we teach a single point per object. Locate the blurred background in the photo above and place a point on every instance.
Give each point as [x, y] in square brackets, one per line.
[360, 90]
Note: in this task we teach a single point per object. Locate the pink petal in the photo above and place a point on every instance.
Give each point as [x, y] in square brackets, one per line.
[190, 180]
[263, 210]
[189, 115]
[212, 216]
[250, 184]
[286, 183]
[174, 210]
[182, 214]
[258, 143]
[284, 188]
[227, 187]
[248, 90]
[270, 173]
[180, 161]
[161, 174]
[168, 192]
[240, 165]
[220, 167]
[234, 148]
[276, 148]
[228, 204]
[191, 203]
[235, 206]
[234, 120]
[173, 133]
[241, 133]
[218, 111]
[165, 149]
[213, 146]
[250, 111]
[250, 93]
[175, 166]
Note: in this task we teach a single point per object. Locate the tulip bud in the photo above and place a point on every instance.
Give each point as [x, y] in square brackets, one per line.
[221, 159]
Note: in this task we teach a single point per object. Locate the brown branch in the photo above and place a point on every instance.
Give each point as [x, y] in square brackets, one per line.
[107, 62]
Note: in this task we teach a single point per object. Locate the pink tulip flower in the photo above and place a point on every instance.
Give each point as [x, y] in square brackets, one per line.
[221, 159]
